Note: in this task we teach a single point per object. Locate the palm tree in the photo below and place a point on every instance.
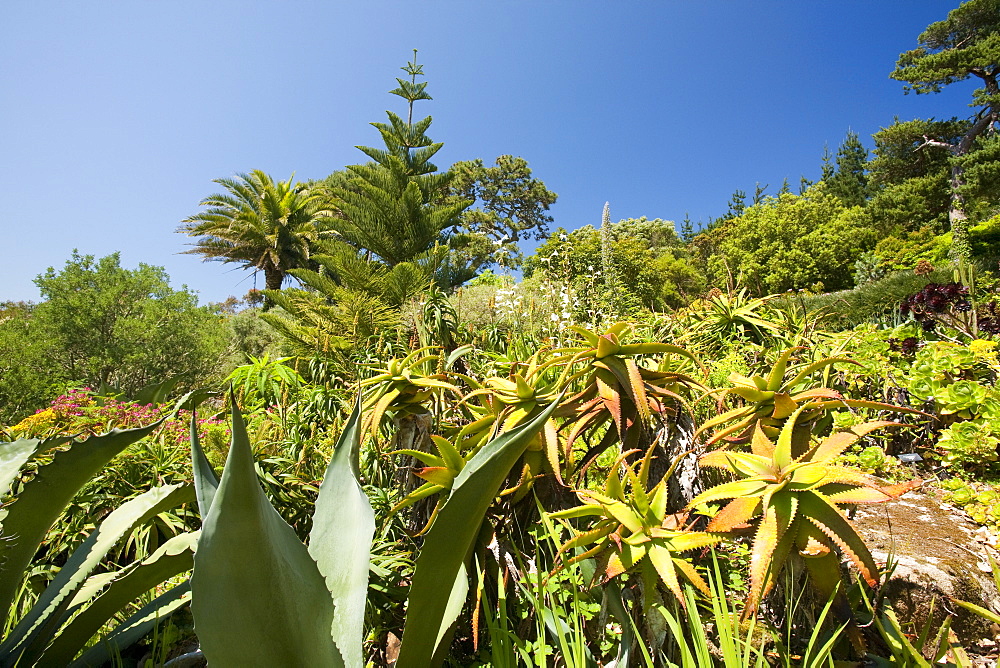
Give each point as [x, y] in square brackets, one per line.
[257, 223]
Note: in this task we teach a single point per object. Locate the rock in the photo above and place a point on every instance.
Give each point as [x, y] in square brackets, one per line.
[937, 556]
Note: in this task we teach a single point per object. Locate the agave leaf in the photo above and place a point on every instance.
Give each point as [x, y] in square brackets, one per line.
[34, 631]
[173, 557]
[12, 458]
[340, 540]
[205, 480]
[425, 457]
[448, 542]
[259, 598]
[45, 496]
[135, 627]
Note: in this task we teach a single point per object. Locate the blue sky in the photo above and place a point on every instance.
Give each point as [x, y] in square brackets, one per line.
[117, 116]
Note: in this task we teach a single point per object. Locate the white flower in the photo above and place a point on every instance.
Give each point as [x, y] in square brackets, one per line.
[554, 317]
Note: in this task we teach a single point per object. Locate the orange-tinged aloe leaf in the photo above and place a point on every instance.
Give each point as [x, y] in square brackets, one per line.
[612, 402]
[858, 495]
[427, 458]
[746, 464]
[682, 541]
[835, 444]
[430, 382]
[752, 394]
[663, 562]
[692, 575]
[736, 512]
[625, 515]
[784, 406]
[616, 329]
[774, 540]
[606, 346]
[729, 490]
[452, 457]
[599, 532]
[807, 476]
[421, 492]
[585, 334]
[658, 502]
[828, 519]
[550, 445]
[375, 417]
[817, 393]
[439, 475]
[524, 391]
[760, 444]
[722, 418]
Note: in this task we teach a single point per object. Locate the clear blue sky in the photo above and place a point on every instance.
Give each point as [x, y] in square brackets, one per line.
[116, 116]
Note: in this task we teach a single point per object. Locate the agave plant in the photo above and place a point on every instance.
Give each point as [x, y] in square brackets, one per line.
[635, 531]
[796, 501]
[261, 597]
[77, 603]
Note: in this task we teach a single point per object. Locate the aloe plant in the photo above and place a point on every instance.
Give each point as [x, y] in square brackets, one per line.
[635, 531]
[770, 401]
[76, 604]
[619, 390]
[796, 500]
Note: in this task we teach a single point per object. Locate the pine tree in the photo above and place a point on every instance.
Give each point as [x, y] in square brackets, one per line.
[828, 170]
[849, 183]
[737, 205]
[390, 206]
[687, 229]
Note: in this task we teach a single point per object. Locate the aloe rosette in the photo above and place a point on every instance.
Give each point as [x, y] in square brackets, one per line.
[634, 531]
[796, 501]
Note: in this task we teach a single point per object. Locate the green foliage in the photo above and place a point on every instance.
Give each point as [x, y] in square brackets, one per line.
[77, 603]
[391, 207]
[103, 325]
[512, 202]
[966, 44]
[792, 241]
[877, 301]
